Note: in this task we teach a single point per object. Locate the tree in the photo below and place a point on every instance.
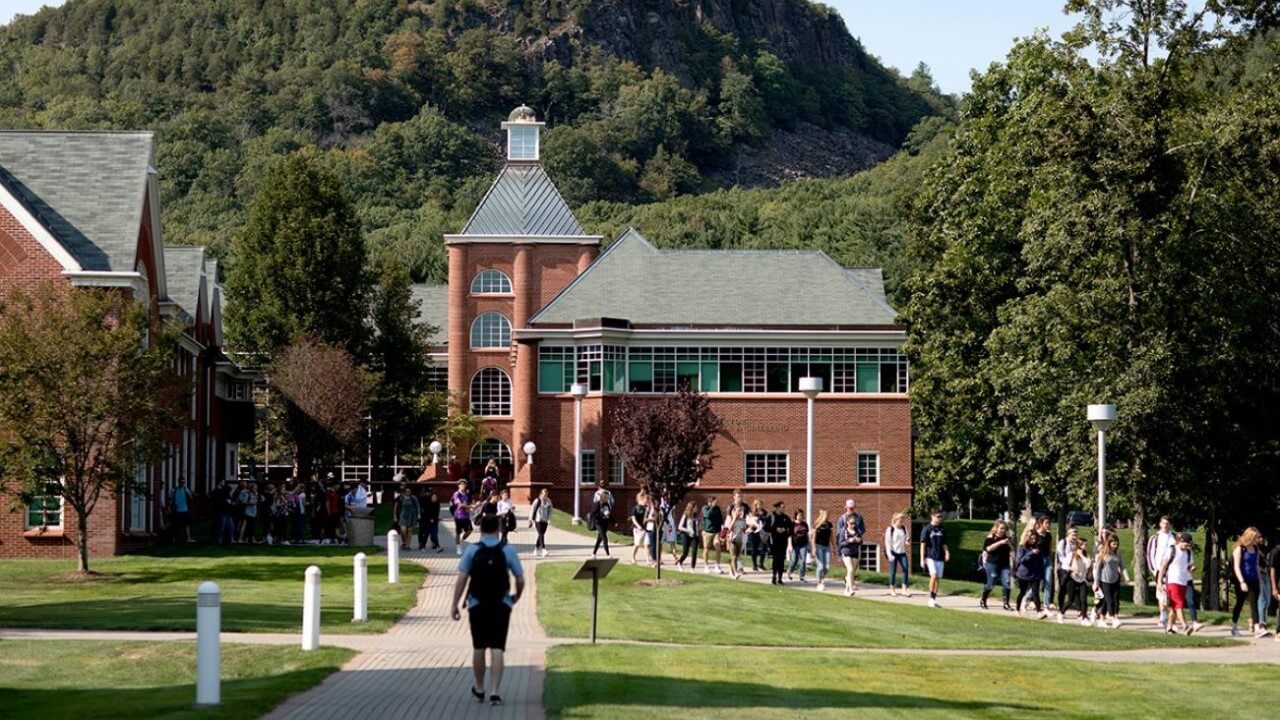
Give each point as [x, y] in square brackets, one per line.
[668, 174]
[742, 115]
[403, 408]
[89, 395]
[665, 443]
[324, 398]
[298, 266]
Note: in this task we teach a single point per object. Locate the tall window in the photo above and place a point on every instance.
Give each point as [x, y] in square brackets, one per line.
[491, 282]
[490, 330]
[522, 143]
[45, 511]
[491, 393]
[588, 477]
[767, 468]
[491, 448]
[617, 469]
[868, 468]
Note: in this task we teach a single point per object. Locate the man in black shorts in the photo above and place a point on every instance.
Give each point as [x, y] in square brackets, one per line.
[483, 574]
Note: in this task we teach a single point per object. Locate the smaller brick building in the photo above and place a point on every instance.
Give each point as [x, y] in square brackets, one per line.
[83, 208]
[532, 307]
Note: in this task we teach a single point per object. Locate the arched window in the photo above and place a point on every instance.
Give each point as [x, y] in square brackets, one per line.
[491, 448]
[491, 392]
[490, 330]
[491, 281]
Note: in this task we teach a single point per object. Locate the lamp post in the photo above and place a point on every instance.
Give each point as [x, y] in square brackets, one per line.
[811, 387]
[435, 447]
[1101, 417]
[578, 391]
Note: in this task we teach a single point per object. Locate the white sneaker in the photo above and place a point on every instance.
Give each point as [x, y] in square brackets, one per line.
[933, 603]
[719, 570]
[1085, 622]
[1115, 623]
[706, 569]
[822, 587]
[848, 592]
[459, 550]
[1062, 618]
[1196, 627]
[1261, 633]
[1042, 615]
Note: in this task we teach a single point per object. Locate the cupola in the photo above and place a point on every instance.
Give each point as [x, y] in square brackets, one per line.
[523, 135]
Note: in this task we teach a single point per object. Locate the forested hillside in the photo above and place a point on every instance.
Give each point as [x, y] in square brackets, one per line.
[644, 100]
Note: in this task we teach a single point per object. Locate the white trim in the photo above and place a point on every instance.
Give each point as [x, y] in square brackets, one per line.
[857, 469]
[456, 239]
[62, 515]
[787, 472]
[37, 230]
[107, 278]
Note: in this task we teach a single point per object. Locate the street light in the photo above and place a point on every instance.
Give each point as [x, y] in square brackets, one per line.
[811, 387]
[1101, 417]
[529, 449]
[435, 447]
[578, 391]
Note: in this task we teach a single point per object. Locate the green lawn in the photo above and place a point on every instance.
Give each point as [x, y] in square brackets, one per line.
[698, 609]
[261, 590]
[90, 680]
[630, 682]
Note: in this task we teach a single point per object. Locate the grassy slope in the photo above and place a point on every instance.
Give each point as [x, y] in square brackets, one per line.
[640, 682]
[712, 610]
[91, 680]
[261, 590]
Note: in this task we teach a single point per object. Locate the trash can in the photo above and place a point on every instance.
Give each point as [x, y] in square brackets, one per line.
[360, 527]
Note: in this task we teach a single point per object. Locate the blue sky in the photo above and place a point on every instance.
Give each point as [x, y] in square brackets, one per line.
[952, 36]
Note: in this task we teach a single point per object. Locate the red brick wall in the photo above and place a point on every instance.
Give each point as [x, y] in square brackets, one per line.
[843, 426]
[104, 535]
[24, 263]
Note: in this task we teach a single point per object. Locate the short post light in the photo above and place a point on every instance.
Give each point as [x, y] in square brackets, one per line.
[393, 557]
[311, 609]
[208, 644]
[436, 448]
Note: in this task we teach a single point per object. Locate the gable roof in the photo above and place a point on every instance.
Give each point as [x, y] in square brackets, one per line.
[433, 309]
[636, 281]
[523, 201]
[184, 272]
[86, 188]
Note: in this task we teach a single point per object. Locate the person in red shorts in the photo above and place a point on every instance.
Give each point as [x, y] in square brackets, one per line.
[1175, 575]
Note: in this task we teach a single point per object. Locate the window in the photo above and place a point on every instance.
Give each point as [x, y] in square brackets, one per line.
[45, 511]
[770, 468]
[869, 557]
[588, 476]
[522, 143]
[491, 282]
[491, 330]
[491, 392]
[438, 377]
[617, 469]
[491, 448]
[555, 369]
[868, 468]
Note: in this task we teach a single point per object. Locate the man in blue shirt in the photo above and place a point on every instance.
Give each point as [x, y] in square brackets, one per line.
[182, 510]
[483, 576]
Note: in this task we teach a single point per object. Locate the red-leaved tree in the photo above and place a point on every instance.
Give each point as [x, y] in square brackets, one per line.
[325, 398]
[665, 443]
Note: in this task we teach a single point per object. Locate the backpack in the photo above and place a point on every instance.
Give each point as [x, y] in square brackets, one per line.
[489, 582]
[509, 520]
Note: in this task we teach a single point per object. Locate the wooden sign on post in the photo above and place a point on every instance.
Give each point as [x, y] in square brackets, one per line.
[595, 570]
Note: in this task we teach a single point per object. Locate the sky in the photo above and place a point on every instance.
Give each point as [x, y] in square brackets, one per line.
[951, 36]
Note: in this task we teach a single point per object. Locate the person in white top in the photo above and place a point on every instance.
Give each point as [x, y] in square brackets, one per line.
[1175, 574]
[1065, 558]
[1156, 548]
[897, 540]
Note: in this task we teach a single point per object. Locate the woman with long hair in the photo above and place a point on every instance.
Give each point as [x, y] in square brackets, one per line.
[1244, 568]
[757, 539]
[1108, 573]
[848, 540]
[736, 538]
[823, 532]
[897, 541]
[997, 554]
[688, 528]
[1030, 570]
[799, 545]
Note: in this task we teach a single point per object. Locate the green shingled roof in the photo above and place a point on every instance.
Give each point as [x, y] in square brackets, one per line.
[523, 201]
[87, 188]
[433, 309]
[183, 268]
[635, 281]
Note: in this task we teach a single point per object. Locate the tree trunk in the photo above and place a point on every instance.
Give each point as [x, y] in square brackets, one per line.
[1210, 585]
[1139, 554]
[82, 541]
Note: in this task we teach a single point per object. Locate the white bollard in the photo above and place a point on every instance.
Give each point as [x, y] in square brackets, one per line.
[393, 557]
[361, 613]
[311, 610]
[208, 648]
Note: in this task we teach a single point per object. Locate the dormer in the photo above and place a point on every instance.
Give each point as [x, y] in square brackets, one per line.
[523, 135]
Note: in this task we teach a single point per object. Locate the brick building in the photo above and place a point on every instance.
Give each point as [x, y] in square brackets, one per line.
[83, 208]
[532, 306]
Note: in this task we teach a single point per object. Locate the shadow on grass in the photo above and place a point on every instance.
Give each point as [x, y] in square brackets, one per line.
[567, 690]
[242, 698]
[178, 615]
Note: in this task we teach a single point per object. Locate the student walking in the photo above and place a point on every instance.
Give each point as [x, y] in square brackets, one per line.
[1175, 575]
[408, 516]
[1075, 581]
[429, 527]
[799, 546]
[712, 524]
[600, 517]
[460, 507]
[823, 534]
[757, 536]
[859, 530]
[639, 536]
[506, 512]
[849, 542]
[781, 527]
[1044, 543]
[997, 559]
[1157, 546]
[736, 538]
[1244, 568]
[484, 575]
[689, 537]
[1108, 572]
[1030, 571]
[539, 519]
[934, 553]
[897, 545]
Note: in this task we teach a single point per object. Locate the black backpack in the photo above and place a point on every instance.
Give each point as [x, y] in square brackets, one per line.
[489, 581]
